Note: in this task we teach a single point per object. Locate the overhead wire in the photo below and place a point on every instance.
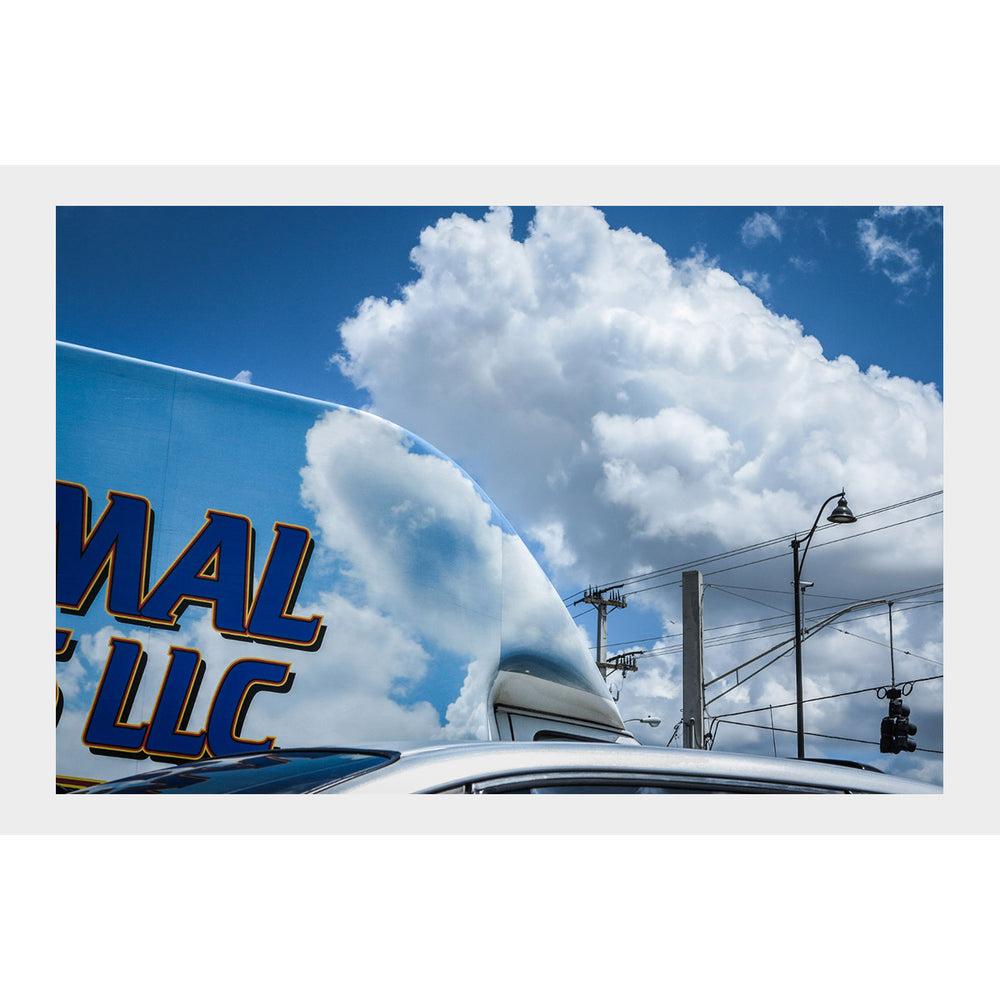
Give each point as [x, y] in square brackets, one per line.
[777, 622]
[706, 560]
[809, 632]
[782, 555]
[825, 697]
[825, 736]
[727, 717]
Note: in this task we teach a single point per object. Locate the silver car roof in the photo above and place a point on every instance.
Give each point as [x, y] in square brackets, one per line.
[431, 767]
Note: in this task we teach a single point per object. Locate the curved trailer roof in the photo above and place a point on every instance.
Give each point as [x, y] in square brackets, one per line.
[239, 568]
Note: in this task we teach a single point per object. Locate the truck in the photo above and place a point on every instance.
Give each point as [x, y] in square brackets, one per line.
[241, 569]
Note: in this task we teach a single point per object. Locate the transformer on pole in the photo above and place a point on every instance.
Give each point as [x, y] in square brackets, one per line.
[602, 600]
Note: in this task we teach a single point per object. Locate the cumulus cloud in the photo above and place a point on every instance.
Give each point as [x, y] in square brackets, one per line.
[760, 283]
[582, 359]
[626, 410]
[245, 376]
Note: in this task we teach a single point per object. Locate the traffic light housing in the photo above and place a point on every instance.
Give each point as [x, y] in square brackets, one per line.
[896, 726]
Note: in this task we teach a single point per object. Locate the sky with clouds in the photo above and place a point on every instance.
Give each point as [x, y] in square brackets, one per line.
[639, 390]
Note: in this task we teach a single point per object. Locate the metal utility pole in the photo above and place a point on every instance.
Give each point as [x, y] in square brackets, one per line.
[613, 599]
[841, 515]
[693, 660]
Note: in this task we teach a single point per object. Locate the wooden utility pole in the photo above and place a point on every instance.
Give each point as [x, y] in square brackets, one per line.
[693, 661]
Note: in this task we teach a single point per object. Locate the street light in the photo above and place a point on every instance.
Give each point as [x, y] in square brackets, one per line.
[841, 515]
[649, 720]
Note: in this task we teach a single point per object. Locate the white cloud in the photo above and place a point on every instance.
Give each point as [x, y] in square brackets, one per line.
[561, 366]
[898, 262]
[759, 227]
[886, 241]
[552, 537]
[396, 517]
[427, 560]
[760, 283]
[923, 216]
[245, 376]
[419, 543]
[626, 410]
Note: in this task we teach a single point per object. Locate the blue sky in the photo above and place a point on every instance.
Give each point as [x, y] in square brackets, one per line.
[635, 387]
[222, 290]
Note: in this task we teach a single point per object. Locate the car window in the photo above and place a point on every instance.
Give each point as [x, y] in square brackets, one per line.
[609, 783]
[289, 772]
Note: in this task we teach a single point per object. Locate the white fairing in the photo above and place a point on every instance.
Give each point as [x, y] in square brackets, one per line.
[239, 568]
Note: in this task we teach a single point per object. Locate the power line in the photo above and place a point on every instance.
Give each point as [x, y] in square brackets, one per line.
[825, 736]
[843, 604]
[900, 595]
[735, 670]
[823, 697]
[730, 587]
[772, 624]
[706, 560]
[885, 645]
[782, 555]
[778, 624]
[730, 690]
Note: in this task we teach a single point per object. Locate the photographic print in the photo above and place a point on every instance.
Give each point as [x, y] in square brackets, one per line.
[654, 493]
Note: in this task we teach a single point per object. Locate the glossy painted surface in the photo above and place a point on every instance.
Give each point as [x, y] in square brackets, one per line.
[492, 768]
[439, 768]
[239, 569]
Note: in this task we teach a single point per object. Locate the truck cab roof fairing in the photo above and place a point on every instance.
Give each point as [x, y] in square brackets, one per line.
[239, 568]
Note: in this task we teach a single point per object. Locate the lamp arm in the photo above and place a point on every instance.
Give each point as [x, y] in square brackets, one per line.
[802, 557]
[843, 611]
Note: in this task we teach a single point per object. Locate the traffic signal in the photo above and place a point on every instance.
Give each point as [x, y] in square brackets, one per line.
[896, 726]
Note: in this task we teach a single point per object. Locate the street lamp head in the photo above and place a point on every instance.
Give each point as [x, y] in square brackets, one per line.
[842, 513]
[649, 720]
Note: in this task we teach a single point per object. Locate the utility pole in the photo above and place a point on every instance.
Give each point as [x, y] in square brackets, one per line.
[623, 662]
[613, 599]
[693, 661]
